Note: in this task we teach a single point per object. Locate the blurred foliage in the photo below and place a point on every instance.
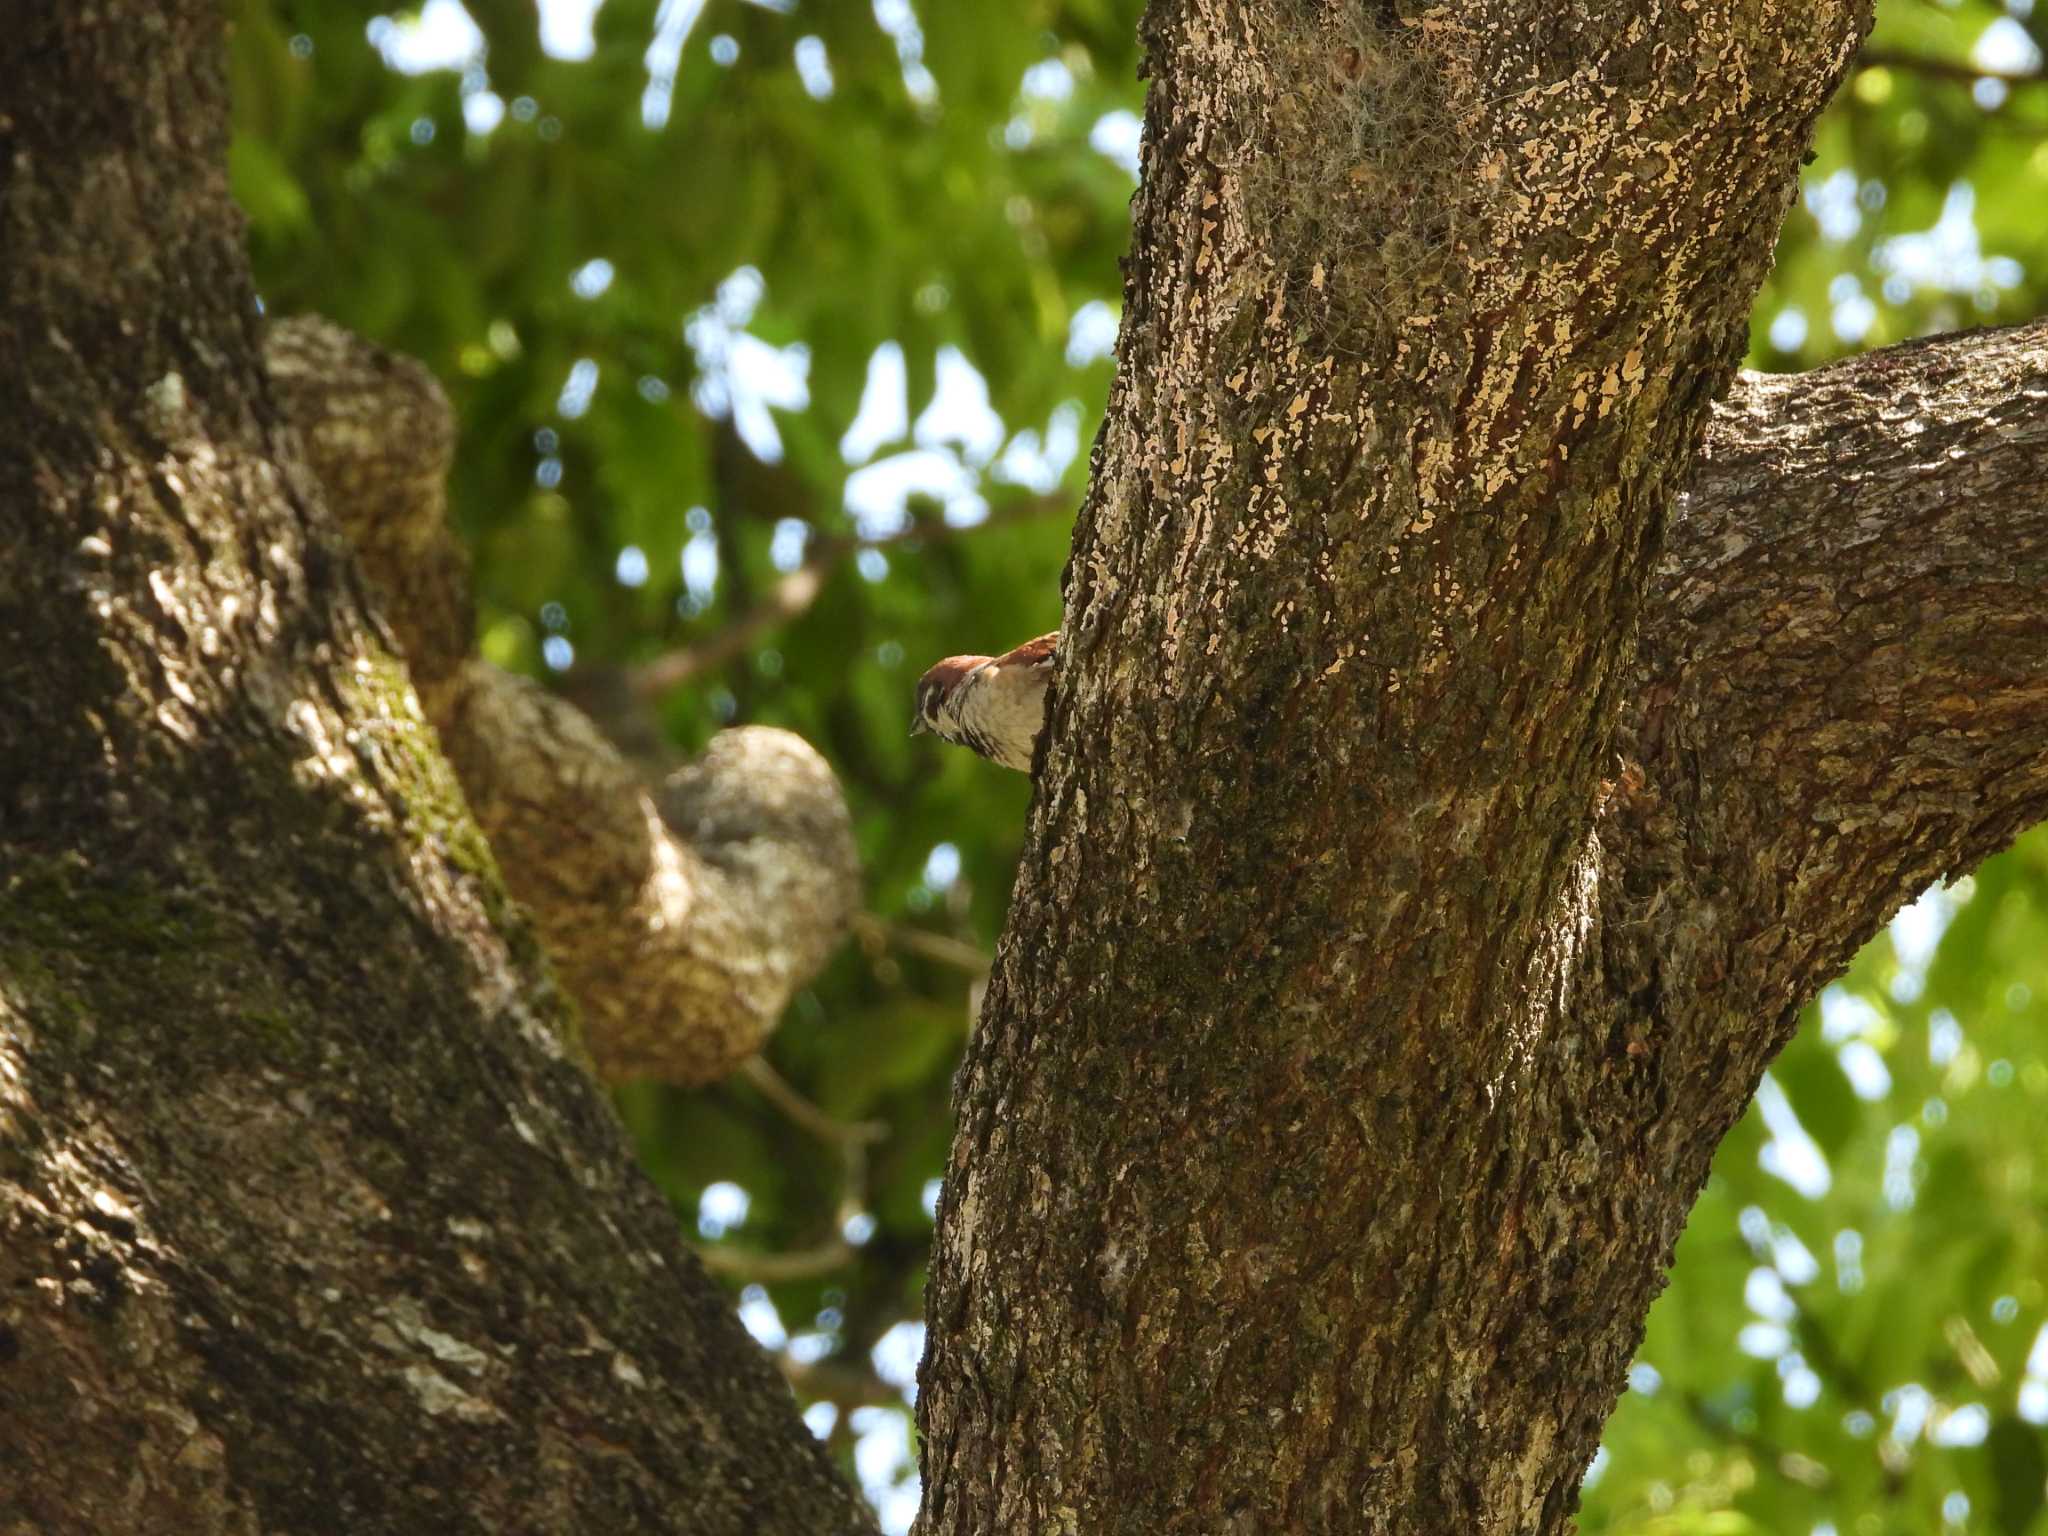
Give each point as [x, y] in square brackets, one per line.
[1856, 1334]
[720, 286]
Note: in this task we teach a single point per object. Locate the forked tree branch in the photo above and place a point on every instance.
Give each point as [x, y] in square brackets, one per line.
[1843, 677]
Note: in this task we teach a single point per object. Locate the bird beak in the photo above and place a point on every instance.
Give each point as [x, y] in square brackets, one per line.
[918, 727]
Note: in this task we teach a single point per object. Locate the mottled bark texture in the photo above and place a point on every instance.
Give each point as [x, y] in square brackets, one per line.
[1441, 824]
[681, 920]
[308, 1221]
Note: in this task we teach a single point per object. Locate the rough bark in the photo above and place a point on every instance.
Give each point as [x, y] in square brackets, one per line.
[1842, 690]
[1396, 938]
[308, 1221]
[681, 921]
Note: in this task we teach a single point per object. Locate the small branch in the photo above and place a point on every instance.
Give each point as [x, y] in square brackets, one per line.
[776, 1089]
[788, 598]
[853, 1140]
[1960, 70]
[795, 593]
[838, 1382]
[877, 933]
[769, 1268]
[1799, 1468]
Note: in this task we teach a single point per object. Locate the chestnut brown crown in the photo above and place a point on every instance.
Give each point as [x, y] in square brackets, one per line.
[993, 705]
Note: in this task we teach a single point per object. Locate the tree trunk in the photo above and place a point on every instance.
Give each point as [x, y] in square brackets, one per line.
[308, 1219]
[1397, 934]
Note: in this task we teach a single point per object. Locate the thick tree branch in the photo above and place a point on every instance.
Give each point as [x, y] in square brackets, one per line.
[1843, 677]
[681, 920]
[1856, 600]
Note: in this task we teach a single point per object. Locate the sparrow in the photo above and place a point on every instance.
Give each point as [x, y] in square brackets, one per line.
[994, 705]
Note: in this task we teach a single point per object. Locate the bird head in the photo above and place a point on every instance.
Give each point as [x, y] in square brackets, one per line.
[993, 705]
[936, 691]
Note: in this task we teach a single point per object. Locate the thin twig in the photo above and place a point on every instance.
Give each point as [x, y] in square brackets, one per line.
[776, 1090]
[1961, 70]
[786, 599]
[877, 933]
[853, 1139]
[769, 1268]
[795, 592]
[837, 1382]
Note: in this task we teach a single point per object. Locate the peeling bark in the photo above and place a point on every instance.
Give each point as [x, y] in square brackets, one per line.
[682, 921]
[308, 1220]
